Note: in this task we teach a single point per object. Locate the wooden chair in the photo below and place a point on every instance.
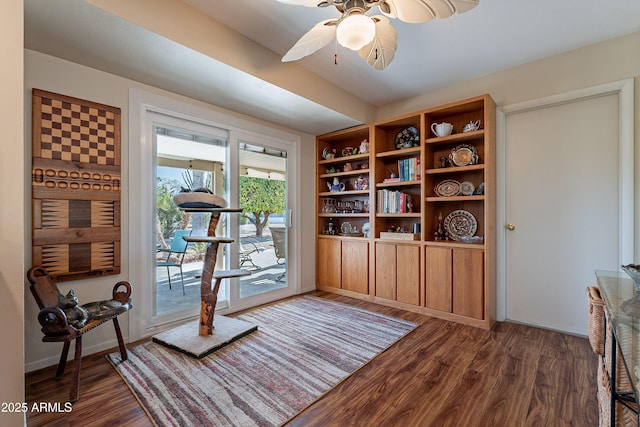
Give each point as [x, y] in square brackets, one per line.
[56, 328]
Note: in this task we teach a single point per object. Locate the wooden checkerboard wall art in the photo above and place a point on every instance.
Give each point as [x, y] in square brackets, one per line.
[75, 186]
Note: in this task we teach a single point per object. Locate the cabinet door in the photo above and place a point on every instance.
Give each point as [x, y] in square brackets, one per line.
[438, 278]
[386, 270]
[408, 274]
[468, 283]
[355, 266]
[329, 263]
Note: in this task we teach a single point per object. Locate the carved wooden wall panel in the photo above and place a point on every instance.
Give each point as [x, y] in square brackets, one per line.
[75, 186]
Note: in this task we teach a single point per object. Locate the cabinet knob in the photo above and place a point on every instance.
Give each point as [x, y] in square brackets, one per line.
[511, 227]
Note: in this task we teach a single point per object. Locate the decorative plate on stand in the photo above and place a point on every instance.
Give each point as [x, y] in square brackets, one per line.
[407, 138]
[463, 155]
[447, 188]
[460, 223]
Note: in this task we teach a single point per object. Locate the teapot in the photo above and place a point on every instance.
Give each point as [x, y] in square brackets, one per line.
[328, 153]
[348, 167]
[364, 146]
[471, 126]
[361, 183]
[336, 185]
[349, 151]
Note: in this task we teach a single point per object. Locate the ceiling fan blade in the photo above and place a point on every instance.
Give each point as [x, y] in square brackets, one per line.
[379, 53]
[308, 3]
[316, 38]
[411, 11]
[462, 6]
[418, 11]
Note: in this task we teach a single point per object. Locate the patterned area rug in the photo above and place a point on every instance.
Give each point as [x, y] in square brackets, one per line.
[303, 347]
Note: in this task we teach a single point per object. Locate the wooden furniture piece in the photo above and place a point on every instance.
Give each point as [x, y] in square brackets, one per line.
[413, 177]
[178, 250]
[56, 328]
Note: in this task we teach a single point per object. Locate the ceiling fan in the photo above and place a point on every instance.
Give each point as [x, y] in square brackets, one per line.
[373, 37]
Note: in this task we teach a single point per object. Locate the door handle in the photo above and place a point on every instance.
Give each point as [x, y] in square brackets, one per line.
[511, 227]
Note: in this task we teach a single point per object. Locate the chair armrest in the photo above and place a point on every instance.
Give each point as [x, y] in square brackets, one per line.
[54, 322]
[249, 247]
[122, 296]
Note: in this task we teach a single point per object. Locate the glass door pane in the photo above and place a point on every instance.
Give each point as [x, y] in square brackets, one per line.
[186, 159]
[263, 224]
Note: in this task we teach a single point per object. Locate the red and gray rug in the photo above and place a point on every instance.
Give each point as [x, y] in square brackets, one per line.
[303, 347]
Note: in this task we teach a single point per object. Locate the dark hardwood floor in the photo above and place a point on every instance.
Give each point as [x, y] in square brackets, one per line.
[441, 374]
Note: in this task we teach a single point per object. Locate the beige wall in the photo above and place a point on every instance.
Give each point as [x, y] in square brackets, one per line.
[601, 63]
[56, 75]
[12, 216]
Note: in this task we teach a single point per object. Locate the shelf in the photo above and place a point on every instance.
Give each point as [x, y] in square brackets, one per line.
[398, 184]
[445, 278]
[344, 159]
[347, 173]
[211, 210]
[457, 137]
[455, 169]
[398, 153]
[454, 198]
[395, 241]
[344, 215]
[343, 193]
[399, 215]
[339, 237]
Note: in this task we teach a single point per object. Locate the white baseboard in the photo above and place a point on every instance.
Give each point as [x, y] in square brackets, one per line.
[86, 351]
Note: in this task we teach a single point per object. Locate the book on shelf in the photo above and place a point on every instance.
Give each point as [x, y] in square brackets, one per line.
[391, 202]
[396, 179]
[409, 169]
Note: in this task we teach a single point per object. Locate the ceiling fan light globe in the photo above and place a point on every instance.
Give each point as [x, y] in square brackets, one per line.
[356, 31]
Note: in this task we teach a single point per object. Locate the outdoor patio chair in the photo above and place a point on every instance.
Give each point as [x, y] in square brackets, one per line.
[175, 255]
[279, 236]
[247, 247]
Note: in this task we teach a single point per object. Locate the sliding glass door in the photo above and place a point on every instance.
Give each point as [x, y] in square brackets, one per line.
[178, 146]
[263, 230]
[188, 158]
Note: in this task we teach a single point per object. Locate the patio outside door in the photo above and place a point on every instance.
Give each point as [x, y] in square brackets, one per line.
[189, 156]
[263, 226]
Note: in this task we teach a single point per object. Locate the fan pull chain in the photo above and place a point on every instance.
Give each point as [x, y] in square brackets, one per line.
[335, 55]
[376, 53]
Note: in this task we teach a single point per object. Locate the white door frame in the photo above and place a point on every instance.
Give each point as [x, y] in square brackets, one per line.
[292, 218]
[141, 163]
[626, 162]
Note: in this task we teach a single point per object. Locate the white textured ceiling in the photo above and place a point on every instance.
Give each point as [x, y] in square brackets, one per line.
[496, 35]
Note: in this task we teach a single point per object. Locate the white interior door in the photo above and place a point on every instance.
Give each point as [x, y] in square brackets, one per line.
[562, 204]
